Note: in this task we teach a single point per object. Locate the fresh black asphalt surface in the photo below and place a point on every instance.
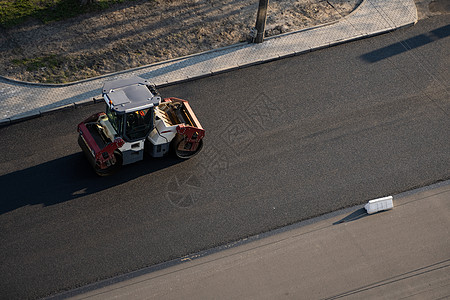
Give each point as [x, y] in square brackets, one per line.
[286, 141]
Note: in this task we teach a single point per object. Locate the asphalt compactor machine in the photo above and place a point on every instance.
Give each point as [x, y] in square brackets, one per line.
[138, 120]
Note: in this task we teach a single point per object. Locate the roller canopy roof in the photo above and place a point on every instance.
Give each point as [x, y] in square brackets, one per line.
[129, 94]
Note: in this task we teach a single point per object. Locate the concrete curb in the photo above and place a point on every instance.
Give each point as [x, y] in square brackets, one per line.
[40, 84]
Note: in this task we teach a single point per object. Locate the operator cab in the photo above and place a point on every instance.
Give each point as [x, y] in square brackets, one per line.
[129, 106]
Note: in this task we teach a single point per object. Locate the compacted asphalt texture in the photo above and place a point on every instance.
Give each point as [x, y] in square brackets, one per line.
[285, 141]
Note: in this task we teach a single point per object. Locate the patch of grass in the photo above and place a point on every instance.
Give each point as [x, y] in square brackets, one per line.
[33, 64]
[15, 12]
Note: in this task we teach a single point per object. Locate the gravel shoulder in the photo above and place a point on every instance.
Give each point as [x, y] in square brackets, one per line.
[141, 32]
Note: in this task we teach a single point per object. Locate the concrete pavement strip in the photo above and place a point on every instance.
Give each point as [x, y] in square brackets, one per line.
[20, 100]
[403, 252]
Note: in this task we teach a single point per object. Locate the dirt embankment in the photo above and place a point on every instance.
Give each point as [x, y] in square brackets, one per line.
[142, 32]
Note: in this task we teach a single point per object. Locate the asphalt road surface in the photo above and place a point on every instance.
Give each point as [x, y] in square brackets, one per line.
[286, 141]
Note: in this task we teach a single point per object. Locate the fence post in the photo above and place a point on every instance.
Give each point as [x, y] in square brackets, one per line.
[261, 21]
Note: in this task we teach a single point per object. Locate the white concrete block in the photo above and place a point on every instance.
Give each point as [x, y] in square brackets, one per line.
[379, 204]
